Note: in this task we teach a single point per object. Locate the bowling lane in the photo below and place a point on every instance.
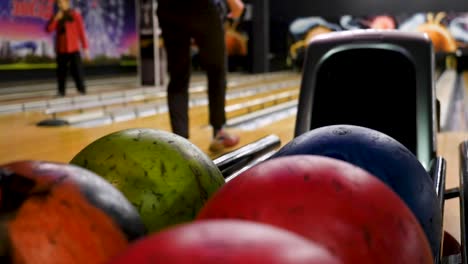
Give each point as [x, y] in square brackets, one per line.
[448, 143]
[237, 91]
[118, 105]
[21, 139]
[241, 98]
[61, 143]
[21, 93]
[24, 91]
[457, 117]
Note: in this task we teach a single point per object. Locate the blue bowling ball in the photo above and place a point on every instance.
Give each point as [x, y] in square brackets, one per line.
[385, 158]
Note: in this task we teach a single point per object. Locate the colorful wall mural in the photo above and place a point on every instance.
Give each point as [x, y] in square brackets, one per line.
[24, 43]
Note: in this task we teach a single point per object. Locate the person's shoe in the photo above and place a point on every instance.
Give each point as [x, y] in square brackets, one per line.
[223, 140]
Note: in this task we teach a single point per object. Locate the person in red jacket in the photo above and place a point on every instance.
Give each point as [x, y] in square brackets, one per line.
[70, 33]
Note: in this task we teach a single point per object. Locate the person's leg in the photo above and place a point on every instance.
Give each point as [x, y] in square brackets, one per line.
[62, 68]
[209, 35]
[177, 44]
[76, 70]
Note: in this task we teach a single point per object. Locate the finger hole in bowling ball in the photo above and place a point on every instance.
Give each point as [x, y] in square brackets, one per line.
[14, 190]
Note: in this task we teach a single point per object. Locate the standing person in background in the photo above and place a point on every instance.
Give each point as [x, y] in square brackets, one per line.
[202, 20]
[70, 33]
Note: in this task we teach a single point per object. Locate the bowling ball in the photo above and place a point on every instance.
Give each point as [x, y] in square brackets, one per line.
[441, 38]
[331, 202]
[236, 44]
[60, 213]
[383, 157]
[382, 22]
[165, 176]
[297, 49]
[225, 241]
[314, 32]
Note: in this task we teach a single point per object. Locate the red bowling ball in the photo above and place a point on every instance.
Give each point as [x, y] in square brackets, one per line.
[225, 241]
[331, 202]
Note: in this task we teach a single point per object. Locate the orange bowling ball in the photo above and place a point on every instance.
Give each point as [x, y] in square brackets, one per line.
[58, 213]
[441, 38]
[236, 44]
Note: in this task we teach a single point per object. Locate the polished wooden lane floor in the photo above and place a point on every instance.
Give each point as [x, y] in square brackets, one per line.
[22, 139]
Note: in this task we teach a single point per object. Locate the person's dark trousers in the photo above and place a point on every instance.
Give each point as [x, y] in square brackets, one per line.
[205, 26]
[72, 61]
